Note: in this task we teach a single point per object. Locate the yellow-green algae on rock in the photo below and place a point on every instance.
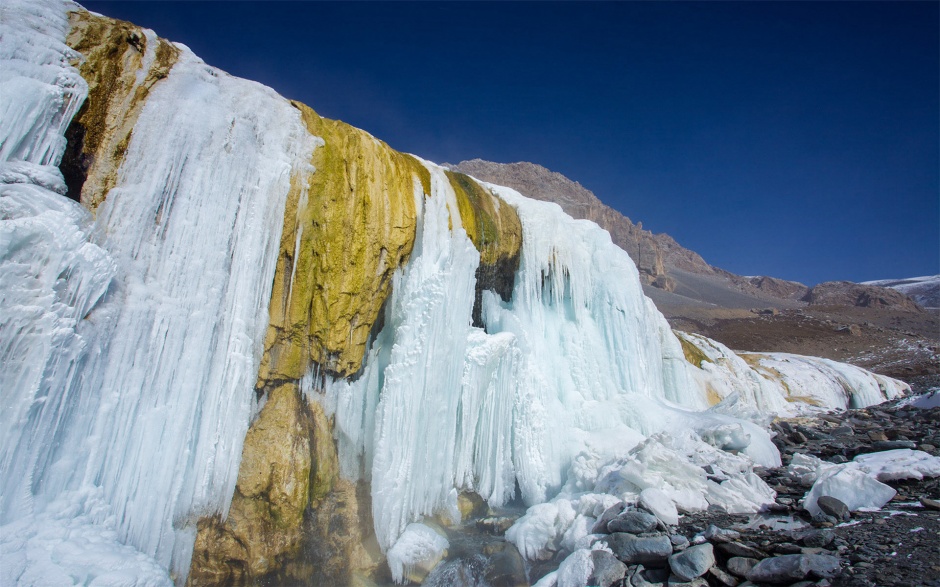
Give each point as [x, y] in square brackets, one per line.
[495, 230]
[114, 52]
[345, 233]
[349, 224]
[273, 533]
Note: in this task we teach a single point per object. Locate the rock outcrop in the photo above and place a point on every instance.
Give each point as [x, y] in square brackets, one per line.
[847, 293]
[120, 62]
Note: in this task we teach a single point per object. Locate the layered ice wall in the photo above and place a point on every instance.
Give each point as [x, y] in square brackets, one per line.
[569, 374]
[131, 345]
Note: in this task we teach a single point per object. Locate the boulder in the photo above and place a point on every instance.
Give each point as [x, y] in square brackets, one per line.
[607, 569]
[834, 507]
[645, 550]
[692, 562]
[740, 566]
[791, 568]
[634, 522]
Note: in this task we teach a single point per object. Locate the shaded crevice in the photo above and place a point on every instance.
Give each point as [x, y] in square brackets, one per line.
[75, 162]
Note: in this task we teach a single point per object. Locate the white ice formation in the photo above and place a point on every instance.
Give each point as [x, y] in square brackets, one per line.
[860, 483]
[130, 343]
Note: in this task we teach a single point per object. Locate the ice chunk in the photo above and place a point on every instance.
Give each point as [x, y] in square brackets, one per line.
[806, 468]
[904, 463]
[848, 484]
[659, 504]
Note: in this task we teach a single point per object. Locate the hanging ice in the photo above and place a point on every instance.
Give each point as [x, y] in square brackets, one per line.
[144, 393]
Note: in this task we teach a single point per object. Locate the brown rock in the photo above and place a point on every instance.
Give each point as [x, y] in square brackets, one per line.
[846, 293]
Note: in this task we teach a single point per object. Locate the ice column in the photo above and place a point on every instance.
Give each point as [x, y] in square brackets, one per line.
[39, 91]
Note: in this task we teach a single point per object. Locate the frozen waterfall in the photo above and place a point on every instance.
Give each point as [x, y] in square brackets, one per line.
[131, 342]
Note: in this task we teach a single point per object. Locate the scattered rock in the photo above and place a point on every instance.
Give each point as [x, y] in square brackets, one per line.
[834, 507]
[692, 562]
[930, 503]
[600, 527]
[721, 577]
[817, 538]
[738, 549]
[716, 534]
[893, 444]
[679, 542]
[791, 568]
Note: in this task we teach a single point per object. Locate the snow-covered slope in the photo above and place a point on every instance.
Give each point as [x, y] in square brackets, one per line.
[140, 340]
[925, 290]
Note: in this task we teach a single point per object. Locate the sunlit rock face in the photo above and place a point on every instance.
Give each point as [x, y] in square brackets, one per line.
[265, 344]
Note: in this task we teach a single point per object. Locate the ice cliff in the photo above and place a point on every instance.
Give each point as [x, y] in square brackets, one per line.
[247, 324]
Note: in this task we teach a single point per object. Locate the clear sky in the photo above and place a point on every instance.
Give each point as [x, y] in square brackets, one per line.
[792, 139]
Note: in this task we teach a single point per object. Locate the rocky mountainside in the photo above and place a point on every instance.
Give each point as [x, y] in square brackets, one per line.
[847, 293]
[923, 290]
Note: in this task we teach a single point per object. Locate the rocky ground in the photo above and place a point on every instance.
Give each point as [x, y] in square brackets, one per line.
[898, 545]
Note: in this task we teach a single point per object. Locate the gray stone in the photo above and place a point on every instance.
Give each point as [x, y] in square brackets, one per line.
[893, 444]
[834, 507]
[634, 522]
[679, 542]
[607, 569]
[932, 504]
[738, 549]
[721, 577]
[715, 534]
[642, 577]
[740, 565]
[645, 550]
[787, 548]
[818, 538]
[675, 581]
[791, 568]
[600, 527]
[692, 562]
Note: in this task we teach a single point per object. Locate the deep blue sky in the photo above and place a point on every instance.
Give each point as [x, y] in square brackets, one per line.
[794, 139]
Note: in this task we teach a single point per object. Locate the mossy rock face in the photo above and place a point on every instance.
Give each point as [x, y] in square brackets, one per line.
[113, 54]
[496, 231]
[347, 227]
[288, 501]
